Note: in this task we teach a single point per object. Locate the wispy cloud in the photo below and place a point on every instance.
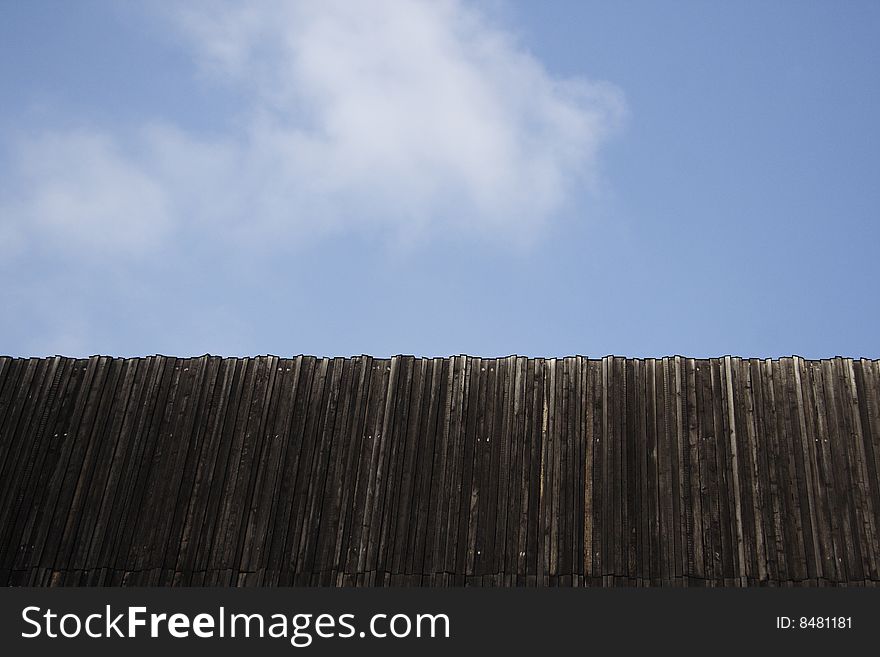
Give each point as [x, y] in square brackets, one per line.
[404, 117]
[78, 189]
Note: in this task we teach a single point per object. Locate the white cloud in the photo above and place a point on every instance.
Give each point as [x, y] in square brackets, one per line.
[404, 116]
[77, 190]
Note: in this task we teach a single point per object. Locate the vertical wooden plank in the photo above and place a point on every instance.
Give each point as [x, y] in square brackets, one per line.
[545, 473]
[606, 568]
[177, 436]
[554, 447]
[764, 447]
[388, 496]
[694, 460]
[664, 492]
[485, 561]
[35, 511]
[518, 484]
[567, 479]
[578, 418]
[377, 469]
[734, 469]
[842, 453]
[428, 456]
[208, 561]
[189, 560]
[314, 490]
[195, 428]
[794, 489]
[331, 499]
[589, 438]
[350, 483]
[617, 431]
[671, 413]
[655, 572]
[744, 472]
[309, 429]
[359, 532]
[226, 505]
[79, 467]
[842, 505]
[264, 498]
[641, 566]
[481, 484]
[437, 528]
[805, 451]
[684, 511]
[757, 493]
[631, 481]
[252, 455]
[138, 453]
[285, 537]
[869, 409]
[407, 407]
[405, 522]
[726, 572]
[838, 574]
[464, 470]
[8, 374]
[708, 473]
[534, 544]
[154, 514]
[504, 449]
[526, 560]
[100, 493]
[859, 470]
[816, 438]
[475, 466]
[778, 475]
[174, 446]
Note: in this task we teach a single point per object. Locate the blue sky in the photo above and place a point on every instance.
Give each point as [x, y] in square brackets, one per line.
[336, 178]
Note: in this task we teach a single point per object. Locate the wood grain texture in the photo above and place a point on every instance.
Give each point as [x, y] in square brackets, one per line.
[407, 471]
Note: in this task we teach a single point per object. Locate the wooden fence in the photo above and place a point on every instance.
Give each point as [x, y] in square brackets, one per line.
[439, 472]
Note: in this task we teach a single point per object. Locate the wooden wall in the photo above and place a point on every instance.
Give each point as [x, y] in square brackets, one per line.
[445, 471]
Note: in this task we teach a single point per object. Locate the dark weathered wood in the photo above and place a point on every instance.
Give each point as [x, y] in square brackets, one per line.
[865, 393]
[707, 473]
[94, 524]
[424, 464]
[756, 489]
[438, 502]
[368, 518]
[840, 452]
[77, 470]
[330, 502]
[278, 569]
[37, 512]
[188, 562]
[316, 489]
[20, 440]
[16, 527]
[461, 471]
[195, 426]
[743, 472]
[179, 434]
[348, 548]
[692, 459]
[210, 543]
